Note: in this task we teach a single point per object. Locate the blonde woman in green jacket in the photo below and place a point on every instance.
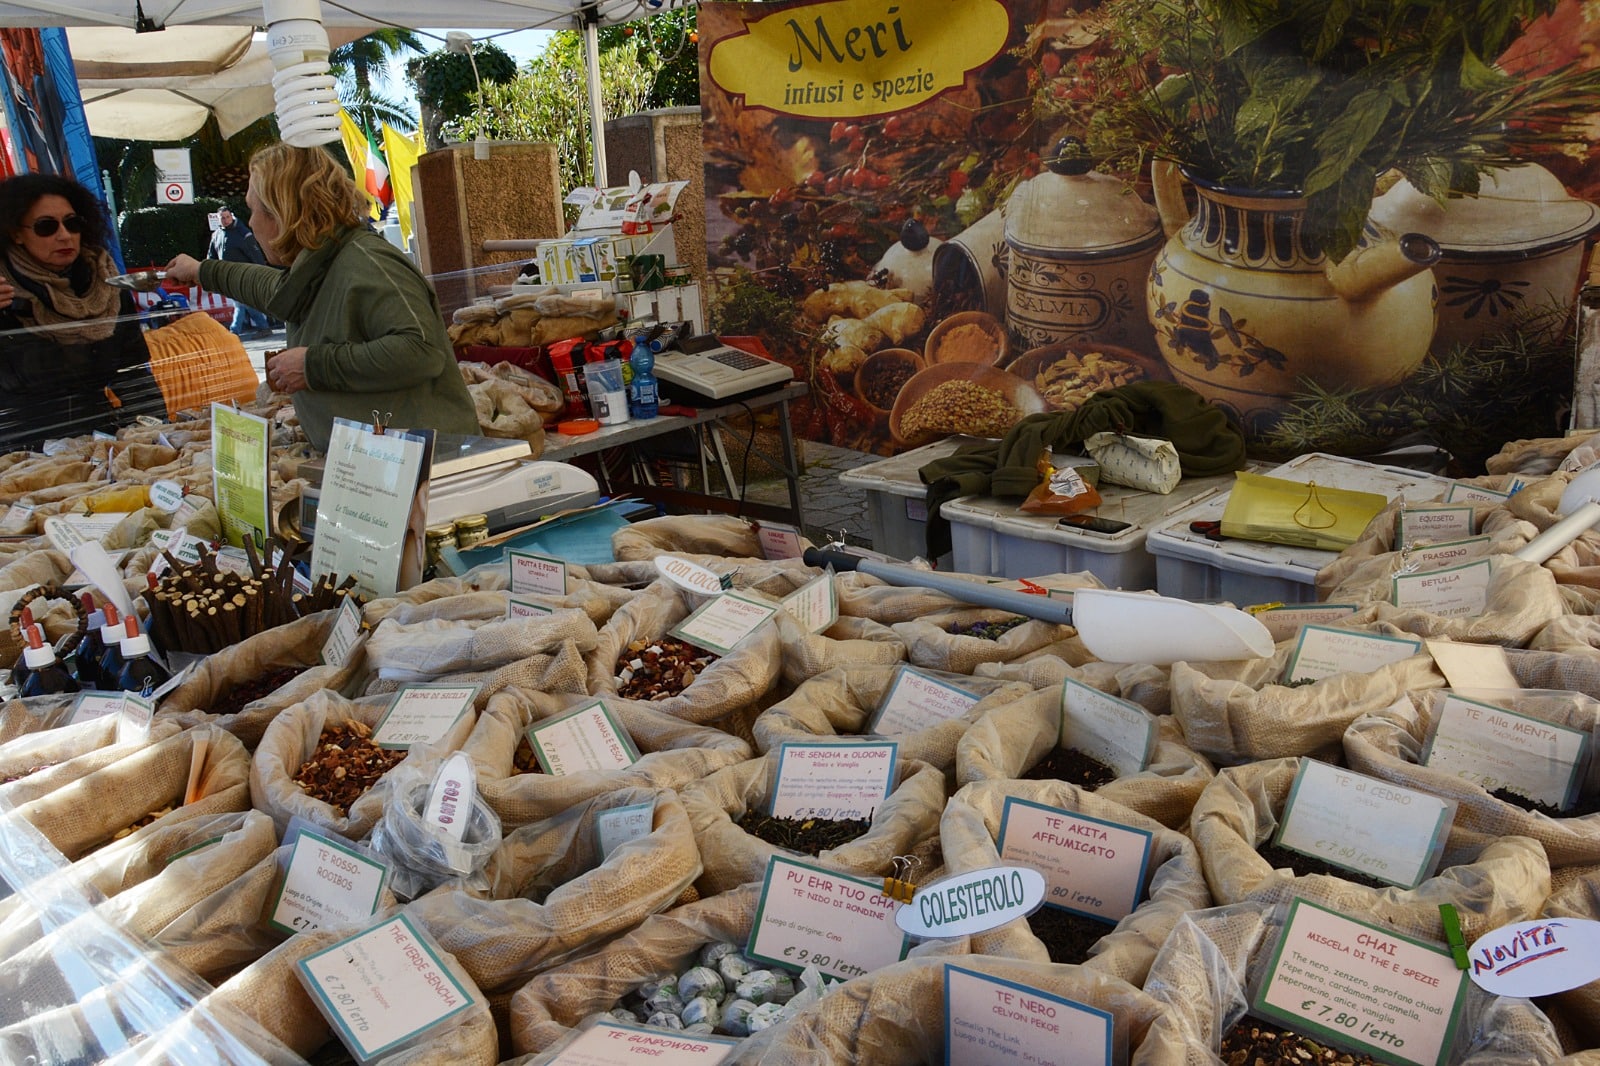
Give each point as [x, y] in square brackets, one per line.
[365, 332]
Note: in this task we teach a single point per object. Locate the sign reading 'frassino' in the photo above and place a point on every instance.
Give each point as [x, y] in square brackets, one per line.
[858, 58]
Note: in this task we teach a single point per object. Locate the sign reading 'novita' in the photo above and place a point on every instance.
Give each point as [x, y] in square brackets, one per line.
[972, 902]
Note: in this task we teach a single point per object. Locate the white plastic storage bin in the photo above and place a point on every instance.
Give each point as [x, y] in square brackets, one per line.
[897, 500]
[993, 537]
[1244, 572]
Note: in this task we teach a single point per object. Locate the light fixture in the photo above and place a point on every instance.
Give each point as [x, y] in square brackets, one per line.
[303, 90]
[461, 44]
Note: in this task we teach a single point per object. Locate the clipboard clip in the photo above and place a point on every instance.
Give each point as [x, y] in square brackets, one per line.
[380, 423]
[899, 886]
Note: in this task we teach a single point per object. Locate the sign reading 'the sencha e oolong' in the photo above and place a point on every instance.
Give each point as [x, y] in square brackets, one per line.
[857, 58]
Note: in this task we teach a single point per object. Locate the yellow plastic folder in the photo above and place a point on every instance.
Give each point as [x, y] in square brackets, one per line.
[1298, 513]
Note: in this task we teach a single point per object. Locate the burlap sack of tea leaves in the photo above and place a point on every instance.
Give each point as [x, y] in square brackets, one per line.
[848, 642]
[37, 764]
[1008, 741]
[297, 645]
[293, 737]
[1522, 599]
[1214, 960]
[673, 753]
[432, 648]
[724, 536]
[930, 644]
[482, 593]
[1236, 712]
[564, 669]
[270, 994]
[84, 814]
[1148, 686]
[554, 896]
[969, 832]
[895, 1015]
[1376, 557]
[1504, 881]
[1538, 456]
[1389, 742]
[731, 683]
[906, 819]
[841, 702]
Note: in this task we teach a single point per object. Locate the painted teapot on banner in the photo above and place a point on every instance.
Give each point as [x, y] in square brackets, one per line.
[1244, 307]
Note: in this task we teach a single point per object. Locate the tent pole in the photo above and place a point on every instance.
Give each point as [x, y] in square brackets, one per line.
[597, 107]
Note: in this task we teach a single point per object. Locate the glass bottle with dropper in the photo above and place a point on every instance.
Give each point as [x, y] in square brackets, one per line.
[140, 672]
[46, 676]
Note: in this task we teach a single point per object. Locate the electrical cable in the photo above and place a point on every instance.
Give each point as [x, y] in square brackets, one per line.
[749, 443]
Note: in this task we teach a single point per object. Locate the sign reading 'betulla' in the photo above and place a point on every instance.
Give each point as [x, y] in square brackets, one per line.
[858, 58]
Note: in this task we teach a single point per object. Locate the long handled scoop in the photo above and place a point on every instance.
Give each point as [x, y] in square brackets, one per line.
[1118, 627]
[1581, 505]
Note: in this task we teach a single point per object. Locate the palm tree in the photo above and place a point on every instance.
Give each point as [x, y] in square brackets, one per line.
[362, 67]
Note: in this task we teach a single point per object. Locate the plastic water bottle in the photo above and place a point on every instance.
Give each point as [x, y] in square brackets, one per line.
[646, 399]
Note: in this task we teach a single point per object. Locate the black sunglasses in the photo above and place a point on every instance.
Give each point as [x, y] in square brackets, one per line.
[46, 227]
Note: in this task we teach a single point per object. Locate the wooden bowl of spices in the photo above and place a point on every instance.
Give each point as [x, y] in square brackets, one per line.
[881, 376]
[968, 337]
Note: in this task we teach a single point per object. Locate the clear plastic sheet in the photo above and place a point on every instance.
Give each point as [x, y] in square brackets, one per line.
[421, 651]
[418, 858]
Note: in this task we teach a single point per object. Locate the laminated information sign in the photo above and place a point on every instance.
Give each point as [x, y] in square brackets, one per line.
[779, 540]
[1453, 592]
[1501, 749]
[723, 621]
[1432, 525]
[611, 1043]
[622, 824]
[809, 916]
[1117, 732]
[827, 780]
[1092, 867]
[815, 605]
[989, 1020]
[1386, 831]
[541, 574]
[587, 738]
[916, 701]
[1285, 620]
[239, 478]
[342, 637]
[327, 884]
[423, 714]
[369, 491]
[1323, 651]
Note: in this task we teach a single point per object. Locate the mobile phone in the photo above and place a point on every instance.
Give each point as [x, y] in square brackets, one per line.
[1090, 523]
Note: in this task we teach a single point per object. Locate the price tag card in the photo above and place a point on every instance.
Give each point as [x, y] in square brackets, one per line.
[423, 714]
[619, 825]
[1115, 731]
[611, 1043]
[723, 621]
[1362, 987]
[988, 1020]
[327, 884]
[384, 987]
[18, 517]
[1283, 621]
[1432, 525]
[91, 705]
[133, 719]
[1450, 553]
[779, 541]
[191, 506]
[1460, 493]
[584, 739]
[1091, 866]
[1454, 592]
[833, 780]
[808, 916]
[344, 634]
[522, 607]
[815, 605]
[543, 574]
[1323, 651]
[1497, 748]
[1385, 831]
[63, 536]
[916, 701]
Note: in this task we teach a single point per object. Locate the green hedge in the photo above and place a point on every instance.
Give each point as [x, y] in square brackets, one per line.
[156, 234]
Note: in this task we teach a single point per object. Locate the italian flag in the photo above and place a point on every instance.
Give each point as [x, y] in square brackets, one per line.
[377, 175]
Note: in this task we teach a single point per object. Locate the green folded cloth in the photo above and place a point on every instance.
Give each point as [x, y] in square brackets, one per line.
[1208, 444]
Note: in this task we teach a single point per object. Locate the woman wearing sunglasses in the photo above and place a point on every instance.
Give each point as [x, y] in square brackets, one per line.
[72, 355]
[365, 332]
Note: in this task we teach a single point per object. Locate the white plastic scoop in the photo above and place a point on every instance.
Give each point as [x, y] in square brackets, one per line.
[1581, 505]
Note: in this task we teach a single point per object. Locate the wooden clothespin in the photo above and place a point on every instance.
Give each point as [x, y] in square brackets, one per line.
[899, 887]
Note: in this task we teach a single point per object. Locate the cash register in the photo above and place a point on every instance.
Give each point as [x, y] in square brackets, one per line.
[704, 372]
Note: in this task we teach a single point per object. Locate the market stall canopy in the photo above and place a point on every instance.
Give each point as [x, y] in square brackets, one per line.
[489, 14]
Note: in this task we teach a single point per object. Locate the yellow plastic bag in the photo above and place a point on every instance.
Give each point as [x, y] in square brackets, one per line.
[1298, 513]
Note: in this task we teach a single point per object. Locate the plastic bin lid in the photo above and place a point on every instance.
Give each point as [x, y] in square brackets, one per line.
[898, 474]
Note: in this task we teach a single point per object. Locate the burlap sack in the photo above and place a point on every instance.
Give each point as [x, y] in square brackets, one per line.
[673, 754]
[848, 642]
[86, 813]
[969, 832]
[906, 819]
[931, 646]
[469, 597]
[863, 596]
[1536, 455]
[720, 535]
[553, 895]
[1523, 598]
[435, 647]
[841, 702]
[1148, 686]
[298, 644]
[1374, 558]
[270, 994]
[730, 684]
[562, 669]
[1576, 635]
[1504, 882]
[1579, 1008]
[37, 764]
[292, 738]
[1008, 741]
[550, 1006]
[895, 1015]
[1240, 711]
[1389, 742]
[1214, 960]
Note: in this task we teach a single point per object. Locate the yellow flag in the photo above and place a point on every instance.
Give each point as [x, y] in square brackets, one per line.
[402, 151]
[355, 149]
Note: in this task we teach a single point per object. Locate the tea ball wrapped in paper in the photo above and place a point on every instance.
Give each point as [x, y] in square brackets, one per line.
[662, 1019]
[701, 981]
[700, 1029]
[626, 1016]
[702, 1010]
[736, 1018]
[760, 986]
[664, 1001]
[734, 967]
[713, 952]
[665, 983]
[766, 1016]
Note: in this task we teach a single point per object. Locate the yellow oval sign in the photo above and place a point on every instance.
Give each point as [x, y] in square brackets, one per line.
[858, 58]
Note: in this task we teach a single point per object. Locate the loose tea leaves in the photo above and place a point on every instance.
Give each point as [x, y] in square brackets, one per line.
[247, 692]
[1304, 865]
[346, 763]
[1073, 767]
[1253, 1043]
[1584, 805]
[808, 836]
[524, 761]
[1067, 936]
[659, 669]
[984, 630]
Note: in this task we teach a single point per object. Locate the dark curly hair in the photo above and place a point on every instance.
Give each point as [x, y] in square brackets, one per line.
[19, 194]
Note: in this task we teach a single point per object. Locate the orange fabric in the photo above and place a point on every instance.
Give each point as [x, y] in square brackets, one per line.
[196, 361]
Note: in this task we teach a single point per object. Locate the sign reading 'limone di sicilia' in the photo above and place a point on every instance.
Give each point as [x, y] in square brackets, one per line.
[857, 58]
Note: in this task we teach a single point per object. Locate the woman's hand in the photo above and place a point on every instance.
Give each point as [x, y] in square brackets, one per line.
[286, 371]
[184, 269]
[7, 294]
